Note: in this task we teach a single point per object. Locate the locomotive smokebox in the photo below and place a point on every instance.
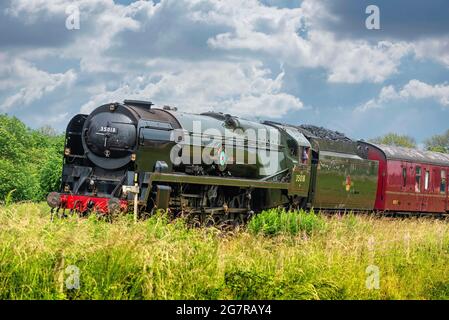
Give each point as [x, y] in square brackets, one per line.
[110, 136]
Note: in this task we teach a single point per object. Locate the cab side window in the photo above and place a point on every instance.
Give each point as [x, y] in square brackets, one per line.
[292, 147]
[443, 182]
[418, 179]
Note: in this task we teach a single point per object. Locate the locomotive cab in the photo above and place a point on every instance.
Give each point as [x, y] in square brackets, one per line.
[297, 157]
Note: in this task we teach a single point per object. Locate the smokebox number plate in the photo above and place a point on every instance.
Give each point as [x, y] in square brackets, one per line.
[108, 130]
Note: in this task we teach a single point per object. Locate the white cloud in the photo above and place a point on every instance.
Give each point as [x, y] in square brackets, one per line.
[370, 104]
[28, 82]
[414, 89]
[435, 48]
[100, 23]
[199, 55]
[387, 93]
[51, 120]
[245, 89]
[347, 61]
[262, 31]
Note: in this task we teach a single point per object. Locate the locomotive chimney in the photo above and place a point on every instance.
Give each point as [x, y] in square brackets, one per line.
[139, 104]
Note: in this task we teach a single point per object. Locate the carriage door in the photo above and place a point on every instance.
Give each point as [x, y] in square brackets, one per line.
[408, 178]
[426, 189]
[444, 187]
[418, 188]
[404, 200]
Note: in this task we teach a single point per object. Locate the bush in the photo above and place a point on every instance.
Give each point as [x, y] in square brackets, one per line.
[17, 177]
[30, 161]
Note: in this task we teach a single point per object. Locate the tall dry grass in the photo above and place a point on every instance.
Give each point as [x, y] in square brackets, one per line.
[278, 256]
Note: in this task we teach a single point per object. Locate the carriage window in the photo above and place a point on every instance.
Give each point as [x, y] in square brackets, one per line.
[418, 179]
[443, 182]
[404, 177]
[426, 180]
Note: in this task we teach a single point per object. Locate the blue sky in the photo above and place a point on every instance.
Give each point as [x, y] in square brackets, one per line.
[310, 61]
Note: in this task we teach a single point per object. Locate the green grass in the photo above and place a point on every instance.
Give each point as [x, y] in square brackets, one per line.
[279, 255]
[274, 222]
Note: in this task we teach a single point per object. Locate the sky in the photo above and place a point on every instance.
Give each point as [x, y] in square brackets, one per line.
[299, 62]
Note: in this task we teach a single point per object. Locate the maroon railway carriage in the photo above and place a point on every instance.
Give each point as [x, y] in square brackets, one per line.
[410, 180]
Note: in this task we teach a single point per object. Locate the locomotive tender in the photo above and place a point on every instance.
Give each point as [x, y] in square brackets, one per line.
[132, 155]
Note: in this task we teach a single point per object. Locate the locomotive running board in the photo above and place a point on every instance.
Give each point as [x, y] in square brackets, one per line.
[217, 181]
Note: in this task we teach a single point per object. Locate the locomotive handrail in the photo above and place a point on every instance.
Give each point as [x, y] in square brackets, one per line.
[275, 174]
[221, 181]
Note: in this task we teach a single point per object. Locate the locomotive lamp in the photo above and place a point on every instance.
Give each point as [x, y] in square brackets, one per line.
[67, 151]
[91, 184]
[133, 157]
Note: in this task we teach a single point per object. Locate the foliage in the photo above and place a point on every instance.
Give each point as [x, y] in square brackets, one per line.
[275, 221]
[8, 199]
[438, 143]
[162, 259]
[393, 139]
[30, 160]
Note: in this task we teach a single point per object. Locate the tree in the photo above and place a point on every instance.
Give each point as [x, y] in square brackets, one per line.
[393, 139]
[18, 178]
[438, 143]
[51, 170]
[47, 131]
[30, 160]
[13, 138]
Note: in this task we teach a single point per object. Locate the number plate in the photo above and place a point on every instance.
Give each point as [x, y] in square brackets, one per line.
[108, 130]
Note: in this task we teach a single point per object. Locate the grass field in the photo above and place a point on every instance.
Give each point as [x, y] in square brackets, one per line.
[277, 256]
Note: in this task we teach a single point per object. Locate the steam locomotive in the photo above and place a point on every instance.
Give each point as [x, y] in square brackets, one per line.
[131, 155]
